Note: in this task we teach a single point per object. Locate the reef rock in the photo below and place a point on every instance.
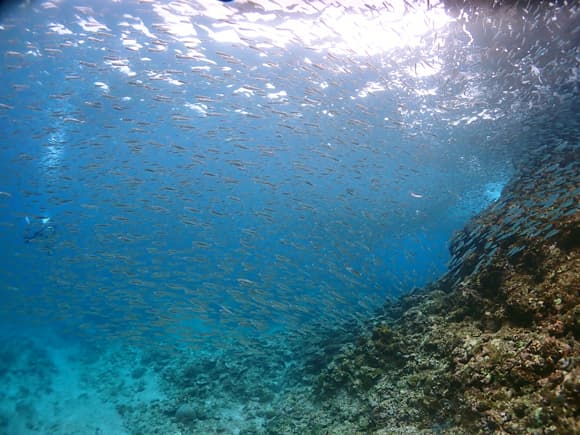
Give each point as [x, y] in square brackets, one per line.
[186, 413]
[493, 345]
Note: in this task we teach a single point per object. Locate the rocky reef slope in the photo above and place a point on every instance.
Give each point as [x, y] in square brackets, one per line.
[492, 347]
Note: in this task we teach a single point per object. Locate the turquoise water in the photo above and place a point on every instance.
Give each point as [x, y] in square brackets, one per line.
[195, 176]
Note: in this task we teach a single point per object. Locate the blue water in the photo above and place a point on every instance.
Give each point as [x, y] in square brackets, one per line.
[201, 188]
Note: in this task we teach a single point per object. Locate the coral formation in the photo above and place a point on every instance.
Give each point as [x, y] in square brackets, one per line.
[489, 348]
[492, 346]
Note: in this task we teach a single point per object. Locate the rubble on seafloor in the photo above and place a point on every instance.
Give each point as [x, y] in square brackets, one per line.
[492, 347]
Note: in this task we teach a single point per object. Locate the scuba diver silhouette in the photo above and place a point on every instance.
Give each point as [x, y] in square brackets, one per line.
[40, 230]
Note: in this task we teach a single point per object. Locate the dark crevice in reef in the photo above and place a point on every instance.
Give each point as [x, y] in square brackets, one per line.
[493, 345]
[570, 238]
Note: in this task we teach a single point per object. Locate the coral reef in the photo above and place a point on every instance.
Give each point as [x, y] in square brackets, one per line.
[20, 358]
[489, 348]
[493, 345]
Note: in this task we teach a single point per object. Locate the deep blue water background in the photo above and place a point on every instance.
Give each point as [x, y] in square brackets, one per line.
[174, 223]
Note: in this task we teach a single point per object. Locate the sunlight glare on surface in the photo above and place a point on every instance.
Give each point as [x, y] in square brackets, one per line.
[350, 28]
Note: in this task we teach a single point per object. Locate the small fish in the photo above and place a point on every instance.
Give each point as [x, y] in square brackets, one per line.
[416, 195]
